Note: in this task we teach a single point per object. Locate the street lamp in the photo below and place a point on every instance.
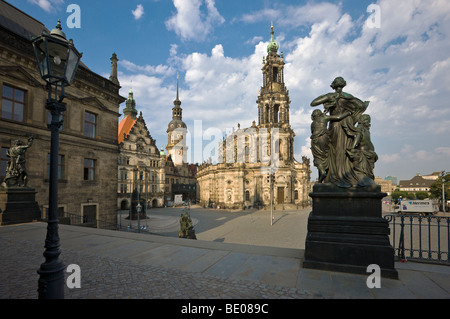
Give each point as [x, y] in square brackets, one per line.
[58, 62]
[443, 191]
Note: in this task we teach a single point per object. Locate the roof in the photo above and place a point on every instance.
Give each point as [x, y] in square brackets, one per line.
[417, 181]
[19, 22]
[125, 126]
[22, 24]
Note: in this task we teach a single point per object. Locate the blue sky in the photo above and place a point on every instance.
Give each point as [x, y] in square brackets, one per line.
[401, 64]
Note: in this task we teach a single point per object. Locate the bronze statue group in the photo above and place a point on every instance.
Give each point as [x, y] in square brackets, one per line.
[340, 139]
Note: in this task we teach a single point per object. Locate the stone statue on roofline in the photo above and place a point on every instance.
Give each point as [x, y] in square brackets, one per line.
[343, 152]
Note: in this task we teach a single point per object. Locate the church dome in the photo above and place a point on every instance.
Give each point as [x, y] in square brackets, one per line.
[273, 46]
[174, 124]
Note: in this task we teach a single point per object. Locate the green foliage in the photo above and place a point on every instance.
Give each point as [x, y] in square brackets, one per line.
[436, 188]
[405, 195]
[422, 195]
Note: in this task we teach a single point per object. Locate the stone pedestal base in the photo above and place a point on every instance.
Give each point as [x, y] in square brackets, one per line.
[18, 206]
[346, 231]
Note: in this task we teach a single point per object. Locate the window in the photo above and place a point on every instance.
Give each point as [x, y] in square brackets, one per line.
[13, 101]
[3, 162]
[247, 195]
[60, 166]
[89, 169]
[90, 125]
[275, 74]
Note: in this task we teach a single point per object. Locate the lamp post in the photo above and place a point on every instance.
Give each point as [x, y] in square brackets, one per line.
[443, 191]
[58, 62]
[146, 196]
[271, 181]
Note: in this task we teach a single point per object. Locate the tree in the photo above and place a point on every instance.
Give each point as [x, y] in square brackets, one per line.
[422, 195]
[436, 188]
[404, 195]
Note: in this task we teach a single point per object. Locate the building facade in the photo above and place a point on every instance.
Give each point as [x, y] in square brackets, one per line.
[247, 156]
[418, 183]
[88, 138]
[140, 164]
[386, 185]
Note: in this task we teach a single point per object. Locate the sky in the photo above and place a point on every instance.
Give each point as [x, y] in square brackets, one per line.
[395, 54]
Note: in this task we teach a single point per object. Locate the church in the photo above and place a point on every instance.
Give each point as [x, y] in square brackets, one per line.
[250, 156]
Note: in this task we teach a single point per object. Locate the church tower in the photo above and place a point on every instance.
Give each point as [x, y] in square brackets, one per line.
[273, 101]
[176, 133]
[130, 106]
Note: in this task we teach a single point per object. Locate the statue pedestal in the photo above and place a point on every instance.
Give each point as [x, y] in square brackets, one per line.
[346, 231]
[18, 206]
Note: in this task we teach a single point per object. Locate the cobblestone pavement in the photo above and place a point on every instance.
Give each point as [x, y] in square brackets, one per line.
[116, 278]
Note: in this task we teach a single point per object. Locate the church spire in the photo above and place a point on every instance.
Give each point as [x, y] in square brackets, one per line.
[130, 108]
[273, 46]
[177, 101]
[177, 111]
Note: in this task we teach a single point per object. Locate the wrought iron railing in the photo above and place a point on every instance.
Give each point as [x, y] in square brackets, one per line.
[86, 221]
[418, 237]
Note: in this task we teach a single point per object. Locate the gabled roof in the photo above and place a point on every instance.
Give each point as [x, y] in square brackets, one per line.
[417, 181]
[125, 126]
[22, 24]
[19, 22]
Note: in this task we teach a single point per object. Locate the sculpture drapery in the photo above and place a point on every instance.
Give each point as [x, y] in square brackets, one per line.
[343, 151]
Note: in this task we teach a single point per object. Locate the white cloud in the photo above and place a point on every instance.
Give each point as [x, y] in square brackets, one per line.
[402, 68]
[295, 16]
[163, 70]
[138, 12]
[191, 22]
[46, 5]
[443, 151]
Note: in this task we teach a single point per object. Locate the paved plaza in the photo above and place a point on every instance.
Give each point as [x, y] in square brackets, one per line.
[238, 255]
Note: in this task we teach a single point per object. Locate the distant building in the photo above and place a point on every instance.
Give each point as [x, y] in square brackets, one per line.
[140, 165]
[88, 138]
[239, 179]
[417, 184]
[393, 179]
[386, 185]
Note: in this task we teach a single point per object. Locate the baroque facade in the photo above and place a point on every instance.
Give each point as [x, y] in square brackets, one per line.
[140, 163]
[247, 156]
[88, 138]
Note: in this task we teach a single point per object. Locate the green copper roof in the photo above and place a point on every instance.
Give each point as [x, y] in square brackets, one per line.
[273, 46]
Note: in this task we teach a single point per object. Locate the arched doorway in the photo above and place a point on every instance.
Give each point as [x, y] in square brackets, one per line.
[155, 203]
[124, 205]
